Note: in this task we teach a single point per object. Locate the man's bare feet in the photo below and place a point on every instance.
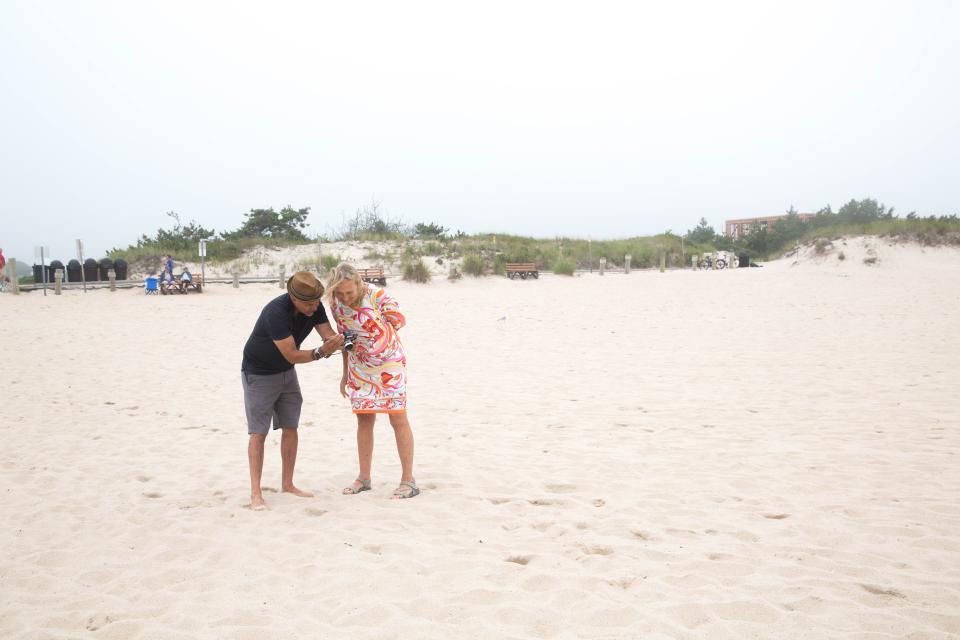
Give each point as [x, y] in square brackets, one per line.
[297, 492]
[257, 504]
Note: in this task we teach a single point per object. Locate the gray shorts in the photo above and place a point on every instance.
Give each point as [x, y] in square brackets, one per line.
[275, 396]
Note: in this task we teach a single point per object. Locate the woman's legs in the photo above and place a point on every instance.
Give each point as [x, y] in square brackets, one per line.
[404, 435]
[365, 422]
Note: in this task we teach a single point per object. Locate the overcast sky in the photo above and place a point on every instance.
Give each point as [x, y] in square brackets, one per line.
[538, 118]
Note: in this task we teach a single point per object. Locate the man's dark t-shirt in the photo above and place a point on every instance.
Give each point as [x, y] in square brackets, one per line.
[260, 355]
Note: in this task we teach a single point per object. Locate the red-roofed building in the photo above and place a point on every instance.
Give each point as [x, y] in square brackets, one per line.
[742, 226]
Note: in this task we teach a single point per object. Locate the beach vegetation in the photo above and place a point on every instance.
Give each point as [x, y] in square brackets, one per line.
[429, 230]
[416, 271]
[488, 253]
[286, 224]
[370, 223]
[475, 265]
[867, 217]
[563, 266]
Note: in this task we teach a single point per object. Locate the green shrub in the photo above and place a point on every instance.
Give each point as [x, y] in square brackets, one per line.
[432, 248]
[328, 262]
[563, 266]
[416, 271]
[474, 265]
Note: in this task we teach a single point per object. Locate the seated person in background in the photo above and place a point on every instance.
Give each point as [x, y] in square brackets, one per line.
[185, 280]
[166, 281]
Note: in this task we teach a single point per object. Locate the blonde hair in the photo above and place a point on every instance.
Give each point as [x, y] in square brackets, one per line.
[341, 273]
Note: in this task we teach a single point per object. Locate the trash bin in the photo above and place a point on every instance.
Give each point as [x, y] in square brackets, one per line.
[90, 270]
[54, 265]
[106, 264]
[744, 260]
[38, 272]
[120, 266]
[74, 271]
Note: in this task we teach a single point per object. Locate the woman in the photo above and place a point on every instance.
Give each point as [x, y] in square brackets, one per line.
[374, 370]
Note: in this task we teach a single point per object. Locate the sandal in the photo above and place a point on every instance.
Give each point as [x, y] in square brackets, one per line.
[402, 494]
[352, 490]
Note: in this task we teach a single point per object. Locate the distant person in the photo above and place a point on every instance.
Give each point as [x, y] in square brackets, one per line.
[3, 266]
[271, 391]
[374, 371]
[166, 282]
[168, 264]
[185, 279]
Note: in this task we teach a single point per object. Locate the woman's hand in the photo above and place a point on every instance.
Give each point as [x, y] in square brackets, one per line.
[343, 386]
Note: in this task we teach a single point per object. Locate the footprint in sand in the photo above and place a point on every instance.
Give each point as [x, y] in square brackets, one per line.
[776, 516]
[561, 488]
[268, 489]
[98, 621]
[596, 550]
[624, 583]
[316, 513]
[152, 494]
[880, 591]
[539, 502]
[143, 478]
[499, 500]
[643, 535]
[522, 560]
[599, 502]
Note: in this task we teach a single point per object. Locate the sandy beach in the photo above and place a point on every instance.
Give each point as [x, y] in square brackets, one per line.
[752, 453]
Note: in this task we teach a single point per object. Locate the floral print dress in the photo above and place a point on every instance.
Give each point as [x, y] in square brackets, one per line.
[376, 366]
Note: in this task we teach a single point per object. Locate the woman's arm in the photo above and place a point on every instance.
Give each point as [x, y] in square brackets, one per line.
[389, 309]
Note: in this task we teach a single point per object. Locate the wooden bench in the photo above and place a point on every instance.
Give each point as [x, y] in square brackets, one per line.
[522, 270]
[375, 275]
[196, 283]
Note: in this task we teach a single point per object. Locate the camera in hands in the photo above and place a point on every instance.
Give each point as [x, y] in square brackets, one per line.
[349, 337]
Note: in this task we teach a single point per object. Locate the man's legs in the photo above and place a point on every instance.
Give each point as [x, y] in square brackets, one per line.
[255, 457]
[288, 455]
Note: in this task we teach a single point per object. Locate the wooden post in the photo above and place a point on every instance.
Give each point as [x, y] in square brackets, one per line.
[626, 263]
[283, 276]
[663, 262]
[12, 274]
[236, 280]
[112, 277]
[693, 261]
[57, 279]
[603, 265]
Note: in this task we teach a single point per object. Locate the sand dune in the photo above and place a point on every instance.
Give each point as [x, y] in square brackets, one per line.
[755, 453]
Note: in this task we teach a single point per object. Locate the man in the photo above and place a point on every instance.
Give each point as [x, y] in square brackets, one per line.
[270, 387]
[168, 264]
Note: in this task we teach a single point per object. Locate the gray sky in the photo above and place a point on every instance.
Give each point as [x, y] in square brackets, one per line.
[540, 118]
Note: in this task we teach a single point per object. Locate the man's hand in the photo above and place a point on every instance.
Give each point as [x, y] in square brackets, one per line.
[331, 345]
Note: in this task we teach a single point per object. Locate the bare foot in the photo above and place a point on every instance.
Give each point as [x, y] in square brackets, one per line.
[298, 492]
[257, 504]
